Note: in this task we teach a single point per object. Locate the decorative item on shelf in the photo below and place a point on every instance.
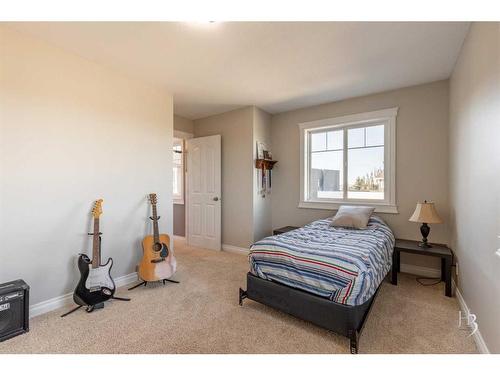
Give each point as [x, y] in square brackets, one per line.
[425, 213]
[260, 150]
[265, 165]
[264, 175]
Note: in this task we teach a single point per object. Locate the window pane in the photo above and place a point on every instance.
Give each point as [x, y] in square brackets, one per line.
[366, 173]
[335, 140]
[178, 170]
[318, 141]
[326, 175]
[177, 150]
[176, 181]
[356, 137]
[177, 158]
[375, 135]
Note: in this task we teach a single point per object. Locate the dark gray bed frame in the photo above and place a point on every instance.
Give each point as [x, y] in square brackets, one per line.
[342, 319]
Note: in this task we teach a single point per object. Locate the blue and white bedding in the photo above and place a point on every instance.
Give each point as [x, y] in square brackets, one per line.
[343, 265]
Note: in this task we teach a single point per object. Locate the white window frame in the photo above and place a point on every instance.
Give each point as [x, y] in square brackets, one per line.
[179, 199]
[387, 117]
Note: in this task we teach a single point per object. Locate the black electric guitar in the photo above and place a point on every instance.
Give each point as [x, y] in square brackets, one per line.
[95, 285]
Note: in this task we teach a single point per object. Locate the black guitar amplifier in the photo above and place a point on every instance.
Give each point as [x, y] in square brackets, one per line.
[14, 309]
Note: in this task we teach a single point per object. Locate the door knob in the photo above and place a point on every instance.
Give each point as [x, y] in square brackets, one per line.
[215, 199]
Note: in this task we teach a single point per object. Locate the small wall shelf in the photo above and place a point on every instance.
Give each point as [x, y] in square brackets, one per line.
[264, 163]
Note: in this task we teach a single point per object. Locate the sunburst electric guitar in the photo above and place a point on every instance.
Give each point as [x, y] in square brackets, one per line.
[95, 285]
[158, 261]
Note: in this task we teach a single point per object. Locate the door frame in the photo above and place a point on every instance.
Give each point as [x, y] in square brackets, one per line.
[184, 136]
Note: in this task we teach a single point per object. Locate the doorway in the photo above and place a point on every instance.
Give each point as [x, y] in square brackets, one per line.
[204, 186]
[197, 189]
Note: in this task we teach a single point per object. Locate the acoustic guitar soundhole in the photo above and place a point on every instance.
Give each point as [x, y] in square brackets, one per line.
[157, 246]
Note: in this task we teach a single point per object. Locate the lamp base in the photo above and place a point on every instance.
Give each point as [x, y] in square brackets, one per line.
[424, 230]
[424, 245]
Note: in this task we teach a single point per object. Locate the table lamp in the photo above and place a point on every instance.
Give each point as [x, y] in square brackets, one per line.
[425, 213]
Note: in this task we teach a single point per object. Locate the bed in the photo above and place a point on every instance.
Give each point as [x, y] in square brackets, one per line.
[326, 275]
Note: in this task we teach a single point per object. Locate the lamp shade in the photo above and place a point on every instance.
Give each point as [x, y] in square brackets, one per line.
[426, 213]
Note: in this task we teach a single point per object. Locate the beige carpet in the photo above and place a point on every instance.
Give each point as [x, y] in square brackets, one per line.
[201, 315]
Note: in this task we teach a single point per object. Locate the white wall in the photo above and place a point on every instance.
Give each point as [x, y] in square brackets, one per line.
[474, 175]
[72, 131]
[421, 158]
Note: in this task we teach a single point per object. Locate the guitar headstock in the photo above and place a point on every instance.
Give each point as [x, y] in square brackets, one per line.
[152, 198]
[97, 209]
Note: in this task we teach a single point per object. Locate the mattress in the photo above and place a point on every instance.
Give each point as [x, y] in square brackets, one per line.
[343, 265]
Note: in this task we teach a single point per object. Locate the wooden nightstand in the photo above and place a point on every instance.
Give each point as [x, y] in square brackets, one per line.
[283, 230]
[440, 251]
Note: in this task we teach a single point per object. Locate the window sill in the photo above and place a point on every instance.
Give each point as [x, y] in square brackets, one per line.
[379, 207]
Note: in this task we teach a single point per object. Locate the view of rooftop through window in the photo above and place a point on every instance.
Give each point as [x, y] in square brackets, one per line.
[365, 163]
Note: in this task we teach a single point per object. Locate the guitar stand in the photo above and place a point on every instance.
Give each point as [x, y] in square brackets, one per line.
[91, 308]
[88, 309]
[120, 298]
[71, 311]
[146, 283]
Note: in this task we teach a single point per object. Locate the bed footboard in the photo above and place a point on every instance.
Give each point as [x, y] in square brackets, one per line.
[342, 319]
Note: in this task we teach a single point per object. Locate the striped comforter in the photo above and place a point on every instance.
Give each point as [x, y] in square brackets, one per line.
[343, 265]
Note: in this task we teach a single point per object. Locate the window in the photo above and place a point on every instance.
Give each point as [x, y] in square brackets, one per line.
[349, 160]
[178, 176]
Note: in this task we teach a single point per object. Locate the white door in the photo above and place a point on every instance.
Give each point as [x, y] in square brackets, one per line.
[204, 192]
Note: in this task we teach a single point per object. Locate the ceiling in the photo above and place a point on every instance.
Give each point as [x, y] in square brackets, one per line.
[278, 66]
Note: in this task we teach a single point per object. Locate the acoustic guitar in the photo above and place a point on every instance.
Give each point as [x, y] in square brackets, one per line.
[95, 285]
[158, 261]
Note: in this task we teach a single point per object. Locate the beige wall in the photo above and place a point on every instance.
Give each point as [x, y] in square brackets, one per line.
[262, 226]
[422, 158]
[474, 175]
[71, 132]
[246, 216]
[179, 220]
[236, 130]
[183, 124]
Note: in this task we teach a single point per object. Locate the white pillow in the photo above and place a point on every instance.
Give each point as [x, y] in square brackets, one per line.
[352, 217]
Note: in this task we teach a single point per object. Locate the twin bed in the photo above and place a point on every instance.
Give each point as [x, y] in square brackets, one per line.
[327, 275]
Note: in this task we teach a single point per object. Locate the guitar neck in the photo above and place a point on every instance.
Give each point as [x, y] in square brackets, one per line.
[156, 232]
[96, 248]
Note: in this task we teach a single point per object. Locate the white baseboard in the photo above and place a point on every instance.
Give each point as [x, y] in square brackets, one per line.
[235, 249]
[179, 237]
[420, 271]
[66, 299]
[126, 279]
[478, 338]
[50, 304]
[433, 272]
